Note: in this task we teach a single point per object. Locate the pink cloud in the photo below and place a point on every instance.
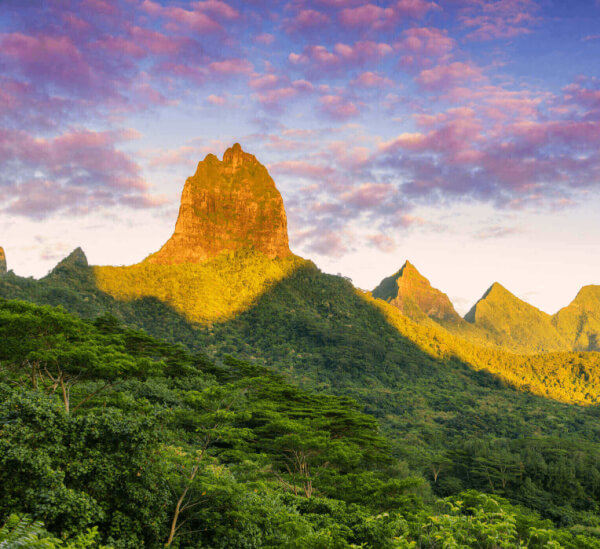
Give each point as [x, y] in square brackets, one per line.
[367, 15]
[307, 20]
[499, 19]
[217, 8]
[322, 241]
[444, 77]
[338, 107]
[341, 56]
[372, 80]
[232, 66]
[422, 45]
[74, 172]
[414, 8]
[216, 99]
[382, 242]
[50, 58]
[101, 6]
[194, 19]
[264, 81]
[367, 195]
[274, 97]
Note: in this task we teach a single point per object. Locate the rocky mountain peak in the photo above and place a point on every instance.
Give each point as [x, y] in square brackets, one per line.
[227, 205]
[236, 157]
[409, 291]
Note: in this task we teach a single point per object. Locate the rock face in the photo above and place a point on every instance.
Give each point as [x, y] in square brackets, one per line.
[412, 293]
[579, 322]
[2, 261]
[515, 324]
[227, 205]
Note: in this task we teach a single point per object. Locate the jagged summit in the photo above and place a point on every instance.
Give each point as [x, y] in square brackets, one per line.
[411, 292]
[76, 258]
[227, 205]
[2, 261]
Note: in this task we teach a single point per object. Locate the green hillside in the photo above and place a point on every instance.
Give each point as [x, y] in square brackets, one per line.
[153, 446]
[514, 324]
[441, 401]
[579, 322]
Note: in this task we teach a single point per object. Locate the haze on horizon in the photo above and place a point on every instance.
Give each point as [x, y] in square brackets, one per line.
[462, 135]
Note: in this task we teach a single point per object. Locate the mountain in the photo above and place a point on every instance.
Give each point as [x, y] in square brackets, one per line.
[229, 246]
[465, 416]
[579, 322]
[2, 261]
[413, 295]
[227, 205]
[514, 324]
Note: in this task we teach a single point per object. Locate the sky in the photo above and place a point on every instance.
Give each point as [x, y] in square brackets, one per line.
[463, 135]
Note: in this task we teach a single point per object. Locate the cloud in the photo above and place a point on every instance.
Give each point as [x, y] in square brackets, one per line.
[320, 60]
[338, 107]
[444, 77]
[216, 99]
[231, 66]
[372, 80]
[306, 21]
[195, 19]
[367, 15]
[74, 172]
[414, 8]
[377, 16]
[495, 19]
[424, 46]
[526, 160]
[382, 242]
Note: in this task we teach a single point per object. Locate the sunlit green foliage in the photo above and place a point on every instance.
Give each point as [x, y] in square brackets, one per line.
[213, 291]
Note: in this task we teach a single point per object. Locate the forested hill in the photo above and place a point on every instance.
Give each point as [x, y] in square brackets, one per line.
[112, 438]
[447, 419]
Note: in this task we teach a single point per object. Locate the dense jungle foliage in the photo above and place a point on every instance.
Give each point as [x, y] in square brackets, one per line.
[112, 438]
[451, 427]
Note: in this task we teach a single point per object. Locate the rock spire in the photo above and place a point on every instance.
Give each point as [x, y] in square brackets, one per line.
[227, 205]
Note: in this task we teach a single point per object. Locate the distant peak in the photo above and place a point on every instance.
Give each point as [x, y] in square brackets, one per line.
[76, 257]
[408, 268]
[495, 288]
[409, 291]
[2, 261]
[236, 156]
